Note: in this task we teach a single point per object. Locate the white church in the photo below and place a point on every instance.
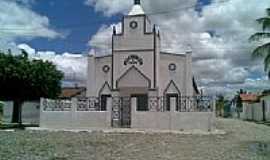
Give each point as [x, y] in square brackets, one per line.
[137, 66]
[136, 86]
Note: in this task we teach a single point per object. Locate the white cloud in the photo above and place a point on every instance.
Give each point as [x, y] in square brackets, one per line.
[111, 7]
[18, 20]
[218, 35]
[74, 66]
[27, 48]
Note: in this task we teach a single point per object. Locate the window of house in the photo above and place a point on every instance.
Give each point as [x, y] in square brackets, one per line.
[142, 102]
[103, 105]
[168, 102]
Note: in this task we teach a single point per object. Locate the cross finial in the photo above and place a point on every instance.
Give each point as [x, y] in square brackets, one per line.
[137, 2]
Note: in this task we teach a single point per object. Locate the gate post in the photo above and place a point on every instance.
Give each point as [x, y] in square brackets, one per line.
[133, 113]
[116, 102]
[74, 105]
[109, 112]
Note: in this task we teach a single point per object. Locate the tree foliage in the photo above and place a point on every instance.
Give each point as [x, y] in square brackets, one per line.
[263, 51]
[220, 105]
[22, 79]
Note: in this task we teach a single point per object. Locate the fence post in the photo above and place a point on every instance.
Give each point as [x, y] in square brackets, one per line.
[74, 104]
[214, 105]
[173, 104]
[41, 110]
[133, 112]
[109, 112]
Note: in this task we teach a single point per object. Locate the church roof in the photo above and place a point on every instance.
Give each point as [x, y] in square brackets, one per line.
[136, 9]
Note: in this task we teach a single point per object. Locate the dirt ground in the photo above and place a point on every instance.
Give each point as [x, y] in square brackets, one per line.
[243, 141]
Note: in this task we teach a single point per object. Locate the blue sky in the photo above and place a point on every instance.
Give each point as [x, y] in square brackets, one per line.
[219, 41]
[76, 20]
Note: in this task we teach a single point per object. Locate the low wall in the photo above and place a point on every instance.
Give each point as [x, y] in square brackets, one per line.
[81, 114]
[172, 120]
[30, 112]
[75, 119]
[254, 111]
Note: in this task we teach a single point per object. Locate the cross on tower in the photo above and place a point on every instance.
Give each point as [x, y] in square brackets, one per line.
[137, 2]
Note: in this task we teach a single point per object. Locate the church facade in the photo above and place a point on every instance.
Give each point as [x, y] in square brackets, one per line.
[136, 86]
[137, 66]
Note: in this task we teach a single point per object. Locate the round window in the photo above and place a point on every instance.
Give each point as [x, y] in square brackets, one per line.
[133, 24]
[106, 68]
[172, 67]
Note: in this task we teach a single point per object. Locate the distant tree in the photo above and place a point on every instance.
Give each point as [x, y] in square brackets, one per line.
[263, 51]
[220, 105]
[22, 79]
[239, 103]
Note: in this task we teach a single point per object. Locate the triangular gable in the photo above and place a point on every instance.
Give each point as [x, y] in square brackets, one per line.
[105, 89]
[133, 77]
[172, 88]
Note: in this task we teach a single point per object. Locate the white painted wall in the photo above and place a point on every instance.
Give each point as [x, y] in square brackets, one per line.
[172, 120]
[254, 111]
[74, 119]
[135, 41]
[30, 112]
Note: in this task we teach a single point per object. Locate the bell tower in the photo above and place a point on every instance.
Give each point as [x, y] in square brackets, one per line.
[136, 47]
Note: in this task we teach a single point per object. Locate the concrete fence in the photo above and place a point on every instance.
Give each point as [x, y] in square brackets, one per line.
[67, 114]
[173, 119]
[87, 114]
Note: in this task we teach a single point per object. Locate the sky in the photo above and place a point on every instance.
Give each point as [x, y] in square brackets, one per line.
[64, 32]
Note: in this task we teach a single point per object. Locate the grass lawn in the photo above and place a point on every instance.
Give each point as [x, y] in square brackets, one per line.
[243, 141]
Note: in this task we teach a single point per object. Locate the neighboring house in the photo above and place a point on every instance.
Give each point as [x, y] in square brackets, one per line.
[72, 92]
[255, 107]
[265, 101]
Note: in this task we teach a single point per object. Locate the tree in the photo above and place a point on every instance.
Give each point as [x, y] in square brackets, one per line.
[220, 105]
[239, 103]
[263, 51]
[22, 79]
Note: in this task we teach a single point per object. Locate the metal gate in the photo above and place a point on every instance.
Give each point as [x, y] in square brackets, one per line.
[125, 112]
[121, 112]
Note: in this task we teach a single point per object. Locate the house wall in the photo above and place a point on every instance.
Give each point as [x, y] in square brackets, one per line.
[267, 107]
[30, 112]
[254, 111]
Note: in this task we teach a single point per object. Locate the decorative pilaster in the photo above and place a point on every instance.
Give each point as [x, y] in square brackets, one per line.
[116, 106]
